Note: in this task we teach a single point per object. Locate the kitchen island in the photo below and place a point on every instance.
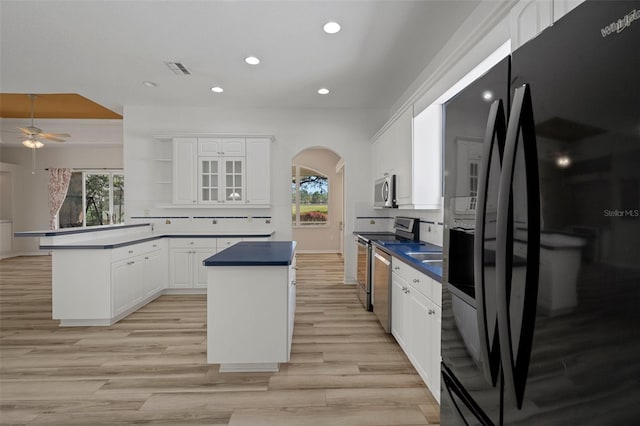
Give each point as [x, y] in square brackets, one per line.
[251, 301]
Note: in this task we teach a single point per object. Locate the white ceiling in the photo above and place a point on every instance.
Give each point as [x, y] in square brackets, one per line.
[104, 50]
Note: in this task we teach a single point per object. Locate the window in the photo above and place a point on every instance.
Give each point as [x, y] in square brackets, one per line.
[94, 198]
[473, 184]
[309, 197]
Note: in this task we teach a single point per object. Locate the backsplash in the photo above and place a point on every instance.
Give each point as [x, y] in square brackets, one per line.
[368, 219]
[209, 224]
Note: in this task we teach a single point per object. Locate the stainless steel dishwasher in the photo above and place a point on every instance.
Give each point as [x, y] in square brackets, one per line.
[382, 287]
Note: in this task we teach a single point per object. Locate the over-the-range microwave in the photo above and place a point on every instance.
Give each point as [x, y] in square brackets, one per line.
[385, 192]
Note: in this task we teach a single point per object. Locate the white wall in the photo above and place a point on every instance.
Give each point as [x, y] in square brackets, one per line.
[30, 196]
[324, 239]
[344, 131]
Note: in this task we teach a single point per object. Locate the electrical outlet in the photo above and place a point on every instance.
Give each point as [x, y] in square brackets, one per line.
[372, 222]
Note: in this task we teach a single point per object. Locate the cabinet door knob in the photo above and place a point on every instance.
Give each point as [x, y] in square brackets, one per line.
[146, 258]
[191, 242]
[294, 282]
[396, 268]
[130, 251]
[415, 280]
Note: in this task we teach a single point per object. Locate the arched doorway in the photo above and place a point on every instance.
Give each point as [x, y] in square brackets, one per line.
[317, 201]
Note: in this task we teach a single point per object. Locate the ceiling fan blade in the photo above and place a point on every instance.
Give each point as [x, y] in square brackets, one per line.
[26, 131]
[54, 135]
[49, 137]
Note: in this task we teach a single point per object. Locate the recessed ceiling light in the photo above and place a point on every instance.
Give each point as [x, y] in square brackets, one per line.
[217, 89]
[323, 91]
[331, 27]
[252, 60]
[150, 83]
[487, 95]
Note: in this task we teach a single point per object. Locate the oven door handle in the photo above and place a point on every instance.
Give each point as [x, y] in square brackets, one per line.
[383, 259]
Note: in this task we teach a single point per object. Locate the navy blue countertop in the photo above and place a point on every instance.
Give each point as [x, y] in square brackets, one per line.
[400, 251]
[128, 240]
[254, 253]
[78, 230]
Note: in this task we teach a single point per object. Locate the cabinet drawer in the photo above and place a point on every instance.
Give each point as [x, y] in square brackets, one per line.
[209, 243]
[133, 250]
[402, 269]
[224, 243]
[416, 279]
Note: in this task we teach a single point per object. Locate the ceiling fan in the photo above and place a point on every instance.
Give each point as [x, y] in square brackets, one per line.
[34, 134]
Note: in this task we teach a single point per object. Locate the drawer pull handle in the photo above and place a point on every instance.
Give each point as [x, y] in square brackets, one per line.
[431, 312]
[396, 268]
[130, 251]
[416, 280]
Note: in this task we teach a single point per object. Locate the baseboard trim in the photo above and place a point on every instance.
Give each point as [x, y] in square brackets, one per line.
[318, 252]
[179, 291]
[29, 253]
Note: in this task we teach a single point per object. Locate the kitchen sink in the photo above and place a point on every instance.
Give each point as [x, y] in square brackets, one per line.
[433, 262]
[426, 256]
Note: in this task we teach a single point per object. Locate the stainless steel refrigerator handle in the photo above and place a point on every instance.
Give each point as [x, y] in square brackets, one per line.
[489, 351]
[521, 123]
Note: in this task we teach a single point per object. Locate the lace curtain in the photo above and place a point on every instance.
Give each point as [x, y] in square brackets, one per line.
[58, 185]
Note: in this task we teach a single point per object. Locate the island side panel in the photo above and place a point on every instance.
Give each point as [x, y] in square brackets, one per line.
[81, 287]
[247, 314]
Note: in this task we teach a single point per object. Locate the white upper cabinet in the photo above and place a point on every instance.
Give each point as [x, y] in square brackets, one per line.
[210, 171]
[400, 153]
[427, 152]
[221, 146]
[530, 17]
[258, 177]
[184, 167]
[562, 7]
[411, 149]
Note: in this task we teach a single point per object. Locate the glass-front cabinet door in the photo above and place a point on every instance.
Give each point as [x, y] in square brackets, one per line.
[221, 180]
[209, 180]
[233, 180]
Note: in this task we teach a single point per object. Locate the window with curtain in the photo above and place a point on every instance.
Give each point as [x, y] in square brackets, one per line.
[94, 198]
[309, 197]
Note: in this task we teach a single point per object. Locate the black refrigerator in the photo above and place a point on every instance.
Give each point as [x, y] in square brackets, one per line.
[541, 286]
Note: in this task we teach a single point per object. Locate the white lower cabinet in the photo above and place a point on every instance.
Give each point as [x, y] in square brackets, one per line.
[399, 309]
[424, 318]
[185, 262]
[291, 311]
[416, 317]
[134, 280]
[186, 270]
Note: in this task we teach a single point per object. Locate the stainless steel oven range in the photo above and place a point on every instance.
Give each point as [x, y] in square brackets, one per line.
[406, 229]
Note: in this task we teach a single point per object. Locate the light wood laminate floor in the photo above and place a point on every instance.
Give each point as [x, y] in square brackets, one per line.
[150, 368]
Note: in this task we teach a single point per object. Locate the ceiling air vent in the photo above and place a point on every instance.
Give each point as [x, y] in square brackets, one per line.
[178, 68]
